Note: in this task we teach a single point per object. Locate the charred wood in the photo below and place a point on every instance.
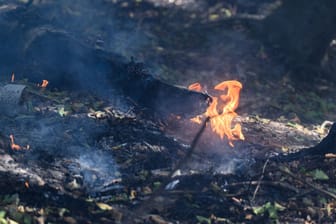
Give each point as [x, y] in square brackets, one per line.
[327, 145]
[161, 97]
[40, 51]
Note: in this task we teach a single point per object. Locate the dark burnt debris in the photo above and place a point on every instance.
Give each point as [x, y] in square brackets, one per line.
[92, 162]
[161, 98]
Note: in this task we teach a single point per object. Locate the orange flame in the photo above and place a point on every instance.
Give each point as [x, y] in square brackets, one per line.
[195, 86]
[13, 77]
[222, 116]
[13, 145]
[43, 84]
[16, 146]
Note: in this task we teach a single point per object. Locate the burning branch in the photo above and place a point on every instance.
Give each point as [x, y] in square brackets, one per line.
[222, 110]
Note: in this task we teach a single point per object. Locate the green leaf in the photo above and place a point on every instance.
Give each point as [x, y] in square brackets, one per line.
[279, 207]
[319, 175]
[61, 112]
[213, 17]
[272, 212]
[271, 208]
[202, 219]
[2, 214]
[27, 219]
[259, 210]
[11, 199]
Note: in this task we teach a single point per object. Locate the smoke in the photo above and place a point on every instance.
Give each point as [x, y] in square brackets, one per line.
[221, 159]
[69, 43]
[98, 169]
[66, 143]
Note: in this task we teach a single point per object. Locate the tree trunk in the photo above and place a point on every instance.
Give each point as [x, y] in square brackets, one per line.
[301, 30]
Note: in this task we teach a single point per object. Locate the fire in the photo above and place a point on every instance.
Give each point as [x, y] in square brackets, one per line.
[43, 84]
[196, 87]
[13, 77]
[16, 146]
[222, 110]
[12, 143]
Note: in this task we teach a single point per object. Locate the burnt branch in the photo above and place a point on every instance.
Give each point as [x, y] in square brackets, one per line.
[159, 97]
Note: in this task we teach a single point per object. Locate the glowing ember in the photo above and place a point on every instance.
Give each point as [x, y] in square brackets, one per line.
[222, 110]
[196, 87]
[12, 143]
[13, 77]
[43, 84]
[16, 146]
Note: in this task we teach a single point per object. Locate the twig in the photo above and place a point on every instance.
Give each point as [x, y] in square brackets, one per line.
[191, 149]
[288, 172]
[260, 179]
[270, 183]
[146, 204]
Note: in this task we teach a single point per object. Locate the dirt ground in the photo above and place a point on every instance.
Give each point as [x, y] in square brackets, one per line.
[180, 42]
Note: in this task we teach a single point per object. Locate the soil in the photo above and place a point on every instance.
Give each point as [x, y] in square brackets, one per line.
[90, 162]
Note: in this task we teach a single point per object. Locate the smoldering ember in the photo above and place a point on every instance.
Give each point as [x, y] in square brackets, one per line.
[167, 111]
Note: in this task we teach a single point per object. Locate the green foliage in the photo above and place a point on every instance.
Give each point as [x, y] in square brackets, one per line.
[309, 106]
[61, 111]
[270, 208]
[2, 217]
[319, 175]
[201, 219]
[10, 199]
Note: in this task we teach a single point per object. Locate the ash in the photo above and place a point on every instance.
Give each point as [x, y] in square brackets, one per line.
[63, 152]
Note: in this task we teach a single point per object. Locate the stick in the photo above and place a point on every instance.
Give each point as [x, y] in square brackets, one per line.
[260, 179]
[270, 183]
[287, 171]
[146, 204]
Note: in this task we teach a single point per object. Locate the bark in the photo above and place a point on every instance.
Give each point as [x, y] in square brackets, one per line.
[302, 30]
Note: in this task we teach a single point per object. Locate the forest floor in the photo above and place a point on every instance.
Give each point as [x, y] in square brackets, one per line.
[127, 178]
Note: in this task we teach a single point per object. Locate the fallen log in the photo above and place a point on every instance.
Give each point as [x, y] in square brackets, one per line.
[67, 62]
[161, 97]
[98, 71]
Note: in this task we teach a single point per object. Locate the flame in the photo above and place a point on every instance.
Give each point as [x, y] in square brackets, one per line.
[43, 84]
[195, 86]
[13, 77]
[13, 145]
[16, 146]
[222, 110]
